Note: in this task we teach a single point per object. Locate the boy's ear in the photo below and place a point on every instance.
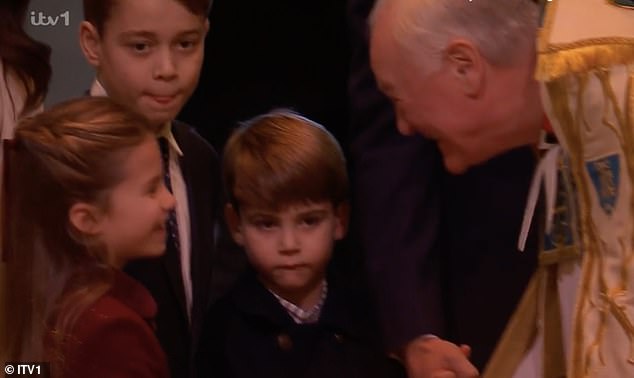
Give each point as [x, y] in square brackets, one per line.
[86, 218]
[342, 213]
[90, 43]
[465, 64]
[233, 222]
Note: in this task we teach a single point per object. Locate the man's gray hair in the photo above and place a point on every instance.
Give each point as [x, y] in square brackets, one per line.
[501, 29]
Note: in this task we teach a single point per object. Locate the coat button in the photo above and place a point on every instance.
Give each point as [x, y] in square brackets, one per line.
[339, 338]
[284, 342]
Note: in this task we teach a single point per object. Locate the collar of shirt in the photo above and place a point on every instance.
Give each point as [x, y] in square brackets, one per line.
[96, 90]
[301, 316]
[166, 132]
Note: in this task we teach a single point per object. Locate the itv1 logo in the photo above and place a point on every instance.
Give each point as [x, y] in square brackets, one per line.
[41, 19]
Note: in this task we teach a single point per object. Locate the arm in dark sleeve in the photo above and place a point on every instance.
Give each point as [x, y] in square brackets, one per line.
[396, 182]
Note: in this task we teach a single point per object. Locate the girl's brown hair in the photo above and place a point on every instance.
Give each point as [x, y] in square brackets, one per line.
[68, 154]
[282, 158]
[26, 57]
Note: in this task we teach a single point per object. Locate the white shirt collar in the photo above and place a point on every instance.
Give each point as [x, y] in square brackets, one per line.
[298, 314]
[97, 90]
[166, 132]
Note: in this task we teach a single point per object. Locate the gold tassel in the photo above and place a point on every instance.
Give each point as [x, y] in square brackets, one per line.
[583, 56]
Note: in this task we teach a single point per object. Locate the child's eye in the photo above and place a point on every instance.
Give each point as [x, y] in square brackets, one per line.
[154, 186]
[139, 47]
[264, 224]
[153, 189]
[311, 221]
[187, 44]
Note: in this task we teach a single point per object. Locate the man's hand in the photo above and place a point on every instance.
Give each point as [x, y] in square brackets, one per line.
[431, 357]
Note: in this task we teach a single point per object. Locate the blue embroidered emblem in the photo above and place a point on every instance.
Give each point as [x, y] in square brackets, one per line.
[605, 174]
[564, 220]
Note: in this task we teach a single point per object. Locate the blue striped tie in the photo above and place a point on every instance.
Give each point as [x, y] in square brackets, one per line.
[172, 225]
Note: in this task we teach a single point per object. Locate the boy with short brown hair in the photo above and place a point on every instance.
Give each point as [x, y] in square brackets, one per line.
[147, 55]
[291, 316]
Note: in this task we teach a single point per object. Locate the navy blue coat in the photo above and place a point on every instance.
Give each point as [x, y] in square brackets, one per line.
[249, 334]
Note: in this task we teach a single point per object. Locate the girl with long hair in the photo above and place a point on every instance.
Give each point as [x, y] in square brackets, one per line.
[85, 196]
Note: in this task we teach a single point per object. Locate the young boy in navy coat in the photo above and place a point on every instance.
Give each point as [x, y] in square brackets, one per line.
[286, 181]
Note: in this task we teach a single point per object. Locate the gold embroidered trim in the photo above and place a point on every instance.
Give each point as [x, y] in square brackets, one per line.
[519, 334]
[555, 61]
[587, 353]
[543, 38]
[569, 252]
[571, 129]
[553, 356]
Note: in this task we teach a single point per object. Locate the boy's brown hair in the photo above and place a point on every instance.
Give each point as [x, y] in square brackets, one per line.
[97, 12]
[282, 158]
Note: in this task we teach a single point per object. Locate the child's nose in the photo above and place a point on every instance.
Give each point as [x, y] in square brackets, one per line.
[288, 240]
[164, 67]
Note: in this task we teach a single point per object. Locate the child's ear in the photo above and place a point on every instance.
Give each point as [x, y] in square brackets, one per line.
[90, 43]
[86, 218]
[342, 213]
[233, 222]
[206, 26]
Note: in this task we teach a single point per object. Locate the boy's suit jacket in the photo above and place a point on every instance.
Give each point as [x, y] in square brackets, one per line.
[162, 276]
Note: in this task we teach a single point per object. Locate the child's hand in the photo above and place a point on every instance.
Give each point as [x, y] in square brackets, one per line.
[432, 357]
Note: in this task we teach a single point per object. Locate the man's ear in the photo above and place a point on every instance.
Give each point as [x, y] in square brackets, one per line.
[90, 42]
[342, 214]
[86, 218]
[233, 222]
[466, 64]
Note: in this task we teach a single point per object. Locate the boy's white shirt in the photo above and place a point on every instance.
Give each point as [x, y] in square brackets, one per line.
[179, 190]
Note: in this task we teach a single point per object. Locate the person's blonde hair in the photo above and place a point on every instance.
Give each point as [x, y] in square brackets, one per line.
[71, 153]
[282, 158]
[501, 29]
